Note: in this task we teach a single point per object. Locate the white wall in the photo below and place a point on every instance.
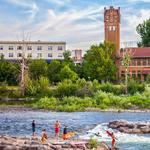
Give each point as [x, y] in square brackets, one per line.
[55, 52]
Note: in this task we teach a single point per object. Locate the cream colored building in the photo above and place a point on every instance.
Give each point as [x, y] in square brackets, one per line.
[14, 50]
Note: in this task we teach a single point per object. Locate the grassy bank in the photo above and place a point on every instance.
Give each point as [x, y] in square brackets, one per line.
[79, 96]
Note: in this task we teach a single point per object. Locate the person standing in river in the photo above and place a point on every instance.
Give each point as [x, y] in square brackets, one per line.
[33, 128]
[57, 128]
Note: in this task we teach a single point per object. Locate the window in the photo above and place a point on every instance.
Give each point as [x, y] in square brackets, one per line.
[19, 48]
[114, 28]
[144, 62]
[50, 55]
[60, 55]
[10, 47]
[29, 55]
[39, 55]
[19, 55]
[122, 72]
[50, 48]
[149, 62]
[60, 48]
[110, 28]
[133, 63]
[29, 48]
[10, 54]
[139, 62]
[39, 48]
[1, 47]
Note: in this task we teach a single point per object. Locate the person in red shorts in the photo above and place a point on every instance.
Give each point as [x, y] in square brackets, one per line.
[113, 142]
[57, 128]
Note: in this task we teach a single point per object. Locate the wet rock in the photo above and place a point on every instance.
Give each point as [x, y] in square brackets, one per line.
[130, 127]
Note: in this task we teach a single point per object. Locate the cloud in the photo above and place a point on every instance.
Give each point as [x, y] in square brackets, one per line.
[146, 1]
[59, 2]
[30, 8]
[79, 25]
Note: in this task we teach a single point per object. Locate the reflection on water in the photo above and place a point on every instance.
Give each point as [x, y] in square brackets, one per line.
[19, 123]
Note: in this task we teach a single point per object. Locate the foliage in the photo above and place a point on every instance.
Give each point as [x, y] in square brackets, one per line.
[110, 88]
[68, 60]
[99, 62]
[37, 68]
[9, 72]
[38, 87]
[67, 73]
[65, 88]
[148, 78]
[54, 71]
[46, 103]
[93, 143]
[134, 86]
[143, 30]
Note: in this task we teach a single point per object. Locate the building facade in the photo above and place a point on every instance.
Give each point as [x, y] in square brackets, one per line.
[15, 50]
[140, 63]
[140, 57]
[77, 56]
[112, 26]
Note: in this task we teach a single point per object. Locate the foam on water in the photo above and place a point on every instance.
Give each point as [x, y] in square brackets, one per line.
[121, 137]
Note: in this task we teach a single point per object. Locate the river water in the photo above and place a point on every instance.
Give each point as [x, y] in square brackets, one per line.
[84, 123]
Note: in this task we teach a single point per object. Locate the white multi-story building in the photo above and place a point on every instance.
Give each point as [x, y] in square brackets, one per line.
[14, 50]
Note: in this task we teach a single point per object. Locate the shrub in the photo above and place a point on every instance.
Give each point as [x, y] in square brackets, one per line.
[134, 87]
[110, 88]
[148, 79]
[46, 103]
[93, 143]
[66, 88]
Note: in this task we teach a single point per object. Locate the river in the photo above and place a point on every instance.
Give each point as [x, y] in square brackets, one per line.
[18, 123]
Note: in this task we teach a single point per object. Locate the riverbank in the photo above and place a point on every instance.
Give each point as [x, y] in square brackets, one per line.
[23, 143]
[10, 108]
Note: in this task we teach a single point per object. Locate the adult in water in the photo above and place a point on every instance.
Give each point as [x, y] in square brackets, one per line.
[57, 128]
[111, 134]
[33, 128]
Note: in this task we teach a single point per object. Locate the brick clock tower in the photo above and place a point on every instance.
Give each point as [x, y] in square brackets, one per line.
[112, 26]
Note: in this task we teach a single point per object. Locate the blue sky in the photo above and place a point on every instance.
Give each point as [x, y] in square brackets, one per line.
[78, 22]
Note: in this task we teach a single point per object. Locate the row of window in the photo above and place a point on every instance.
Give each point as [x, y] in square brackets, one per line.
[133, 72]
[111, 28]
[30, 55]
[30, 48]
[140, 62]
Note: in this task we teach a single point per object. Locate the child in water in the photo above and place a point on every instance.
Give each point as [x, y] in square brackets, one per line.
[44, 136]
[111, 134]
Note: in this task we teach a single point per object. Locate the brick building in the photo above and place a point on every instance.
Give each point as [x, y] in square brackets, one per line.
[140, 57]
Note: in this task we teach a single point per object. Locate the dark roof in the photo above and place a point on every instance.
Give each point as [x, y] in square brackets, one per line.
[137, 52]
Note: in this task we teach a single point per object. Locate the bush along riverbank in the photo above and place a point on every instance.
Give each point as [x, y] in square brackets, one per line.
[79, 96]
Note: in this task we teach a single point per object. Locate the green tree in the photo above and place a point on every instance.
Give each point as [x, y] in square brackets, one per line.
[54, 71]
[37, 68]
[126, 63]
[148, 78]
[68, 60]
[9, 72]
[99, 62]
[143, 30]
[67, 73]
